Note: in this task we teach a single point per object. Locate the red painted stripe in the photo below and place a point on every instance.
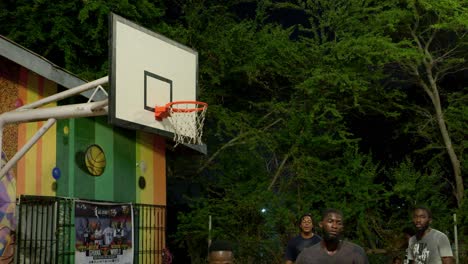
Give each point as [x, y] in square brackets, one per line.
[21, 165]
[40, 87]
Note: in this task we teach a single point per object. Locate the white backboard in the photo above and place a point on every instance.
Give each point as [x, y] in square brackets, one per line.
[147, 70]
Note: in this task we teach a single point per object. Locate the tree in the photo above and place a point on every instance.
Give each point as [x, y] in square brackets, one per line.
[72, 34]
[293, 87]
[436, 35]
[285, 136]
[420, 43]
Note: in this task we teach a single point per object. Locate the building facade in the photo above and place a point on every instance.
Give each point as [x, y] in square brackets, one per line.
[128, 166]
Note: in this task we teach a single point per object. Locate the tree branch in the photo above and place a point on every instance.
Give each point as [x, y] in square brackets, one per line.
[234, 142]
[280, 169]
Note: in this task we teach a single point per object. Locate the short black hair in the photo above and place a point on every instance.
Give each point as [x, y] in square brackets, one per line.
[220, 245]
[304, 216]
[331, 211]
[424, 208]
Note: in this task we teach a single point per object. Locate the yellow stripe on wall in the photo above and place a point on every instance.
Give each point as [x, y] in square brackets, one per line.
[49, 147]
[137, 169]
[31, 129]
[144, 152]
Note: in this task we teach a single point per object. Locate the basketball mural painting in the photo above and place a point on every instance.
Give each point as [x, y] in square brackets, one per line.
[104, 233]
[95, 160]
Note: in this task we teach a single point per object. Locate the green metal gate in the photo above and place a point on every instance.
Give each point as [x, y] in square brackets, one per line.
[46, 231]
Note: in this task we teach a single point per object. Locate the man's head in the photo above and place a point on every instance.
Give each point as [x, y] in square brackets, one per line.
[332, 225]
[306, 224]
[220, 253]
[397, 260]
[422, 218]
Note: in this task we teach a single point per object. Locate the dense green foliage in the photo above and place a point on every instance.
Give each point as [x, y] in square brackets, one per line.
[313, 104]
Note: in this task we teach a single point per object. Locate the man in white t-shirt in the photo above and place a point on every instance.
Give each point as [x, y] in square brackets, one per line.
[428, 245]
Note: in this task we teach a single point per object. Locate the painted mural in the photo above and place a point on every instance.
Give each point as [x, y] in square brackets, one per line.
[131, 155]
[7, 213]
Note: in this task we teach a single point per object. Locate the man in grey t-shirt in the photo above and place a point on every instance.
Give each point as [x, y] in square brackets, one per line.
[332, 250]
[428, 245]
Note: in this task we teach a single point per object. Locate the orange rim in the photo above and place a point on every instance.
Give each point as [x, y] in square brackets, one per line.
[187, 110]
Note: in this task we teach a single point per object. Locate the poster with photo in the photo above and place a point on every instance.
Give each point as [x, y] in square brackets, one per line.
[104, 233]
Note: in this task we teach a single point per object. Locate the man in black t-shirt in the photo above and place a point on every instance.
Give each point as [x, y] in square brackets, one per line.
[306, 238]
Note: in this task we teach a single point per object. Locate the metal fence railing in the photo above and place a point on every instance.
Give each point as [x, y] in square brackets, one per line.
[46, 231]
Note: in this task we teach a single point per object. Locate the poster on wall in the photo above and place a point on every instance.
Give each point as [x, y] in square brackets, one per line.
[104, 233]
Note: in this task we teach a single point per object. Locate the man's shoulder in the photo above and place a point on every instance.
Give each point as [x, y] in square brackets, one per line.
[351, 244]
[312, 249]
[433, 234]
[313, 240]
[412, 240]
[296, 238]
[437, 232]
[299, 238]
[354, 251]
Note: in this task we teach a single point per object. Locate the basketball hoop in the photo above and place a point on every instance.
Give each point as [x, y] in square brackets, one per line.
[187, 119]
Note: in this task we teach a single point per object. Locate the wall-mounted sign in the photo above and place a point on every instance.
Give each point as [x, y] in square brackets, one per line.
[104, 233]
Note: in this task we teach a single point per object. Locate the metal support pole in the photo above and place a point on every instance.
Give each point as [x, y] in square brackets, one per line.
[53, 113]
[62, 95]
[58, 112]
[455, 232]
[209, 235]
[65, 94]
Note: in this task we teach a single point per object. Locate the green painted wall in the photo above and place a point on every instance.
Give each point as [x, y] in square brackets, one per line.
[104, 137]
[117, 183]
[64, 147]
[125, 163]
[84, 183]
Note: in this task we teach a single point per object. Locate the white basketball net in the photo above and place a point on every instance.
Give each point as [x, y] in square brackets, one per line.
[187, 122]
